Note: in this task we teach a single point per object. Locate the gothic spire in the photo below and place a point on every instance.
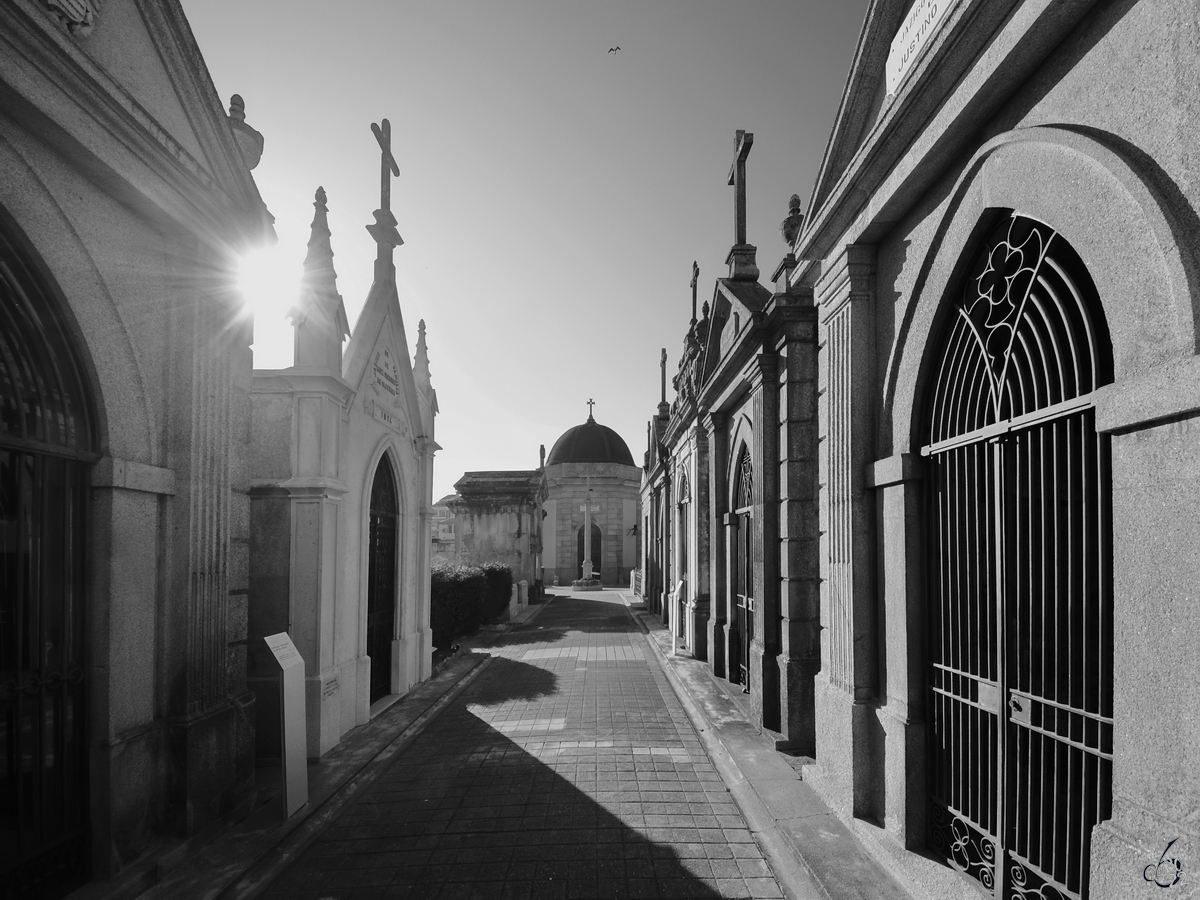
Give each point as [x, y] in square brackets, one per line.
[421, 367]
[319, 316]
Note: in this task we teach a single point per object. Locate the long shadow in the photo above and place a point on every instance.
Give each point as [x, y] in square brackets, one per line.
[465, 811]
[566, 615]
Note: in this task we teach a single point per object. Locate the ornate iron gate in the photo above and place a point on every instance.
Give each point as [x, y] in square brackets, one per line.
[1020, 611]
[45, 448]
[743, 503]
[381, 580]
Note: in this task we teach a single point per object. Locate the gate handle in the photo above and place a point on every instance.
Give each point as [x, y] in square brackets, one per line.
[1014, 704]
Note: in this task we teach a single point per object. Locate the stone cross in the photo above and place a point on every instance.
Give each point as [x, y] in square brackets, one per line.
[387, 163]
[384, 230]
[737, 177]
[590, 404]
[695, 281]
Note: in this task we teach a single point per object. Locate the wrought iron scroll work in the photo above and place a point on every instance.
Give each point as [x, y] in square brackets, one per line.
[965, 848]
[1001, 291]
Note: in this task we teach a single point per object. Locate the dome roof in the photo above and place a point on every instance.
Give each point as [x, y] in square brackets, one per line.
[590, 442]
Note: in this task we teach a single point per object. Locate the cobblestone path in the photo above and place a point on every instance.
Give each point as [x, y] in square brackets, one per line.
[567, 769]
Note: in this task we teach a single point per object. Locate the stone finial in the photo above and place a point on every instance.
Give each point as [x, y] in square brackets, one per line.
[541, 456]
[237, 108]
[421, 367]
[249, 141]
[790, 227]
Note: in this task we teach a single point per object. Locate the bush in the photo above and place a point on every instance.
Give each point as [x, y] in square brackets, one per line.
[461, 598]
[498, 593]
[455, 602]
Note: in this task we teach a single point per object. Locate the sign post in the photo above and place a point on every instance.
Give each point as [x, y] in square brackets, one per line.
[292, 726]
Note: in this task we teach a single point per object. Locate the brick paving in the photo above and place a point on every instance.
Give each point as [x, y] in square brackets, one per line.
[567, 769]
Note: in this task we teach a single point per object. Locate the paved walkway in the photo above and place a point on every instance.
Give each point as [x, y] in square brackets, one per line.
[566, 769]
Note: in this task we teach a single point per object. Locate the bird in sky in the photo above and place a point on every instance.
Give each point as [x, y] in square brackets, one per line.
[613, 49]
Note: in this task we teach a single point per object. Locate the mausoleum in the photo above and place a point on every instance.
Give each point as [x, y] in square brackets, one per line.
[590, 464]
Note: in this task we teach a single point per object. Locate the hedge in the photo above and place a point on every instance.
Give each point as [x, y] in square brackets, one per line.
[464, 597]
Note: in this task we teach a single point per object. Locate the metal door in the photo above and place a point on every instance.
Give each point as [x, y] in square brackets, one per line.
[45, 451]
[381, 580]
[1020, 653]
[744, 575]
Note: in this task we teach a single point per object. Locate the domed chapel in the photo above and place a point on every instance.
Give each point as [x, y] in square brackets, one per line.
[590, 464]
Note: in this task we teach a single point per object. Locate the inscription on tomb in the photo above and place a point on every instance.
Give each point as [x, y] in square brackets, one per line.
[384, 372]
[916, 31]
[377, 412]
[330, 688]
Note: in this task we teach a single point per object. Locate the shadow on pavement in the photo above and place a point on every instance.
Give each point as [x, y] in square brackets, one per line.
[507, 680]
[466, 811]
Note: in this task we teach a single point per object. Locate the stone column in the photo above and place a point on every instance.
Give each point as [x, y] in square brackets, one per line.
[847, 686]
[764, 647]
[702, 588]
[295, 515]
[799, 536]
[897, 486]
[714, 509]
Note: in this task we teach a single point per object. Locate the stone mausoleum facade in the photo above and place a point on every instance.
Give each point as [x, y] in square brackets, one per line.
[590, 463]
[163, 506]
[125, 200]
[952, 452]
[497, 518]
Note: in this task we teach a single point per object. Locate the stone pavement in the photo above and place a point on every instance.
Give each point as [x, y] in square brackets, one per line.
[566, 769]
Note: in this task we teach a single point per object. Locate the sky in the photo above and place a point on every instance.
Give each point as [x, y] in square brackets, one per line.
[552, 194]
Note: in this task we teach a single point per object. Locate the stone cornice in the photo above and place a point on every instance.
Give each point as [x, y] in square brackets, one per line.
[51, 87]
[982, 54]
[297, 381]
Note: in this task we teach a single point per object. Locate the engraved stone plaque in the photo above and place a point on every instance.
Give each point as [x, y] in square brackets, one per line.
[291, 706]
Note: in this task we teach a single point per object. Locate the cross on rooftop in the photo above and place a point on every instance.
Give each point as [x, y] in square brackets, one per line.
[737, 177]
[590, 404]
[387, 162]
[384, 230]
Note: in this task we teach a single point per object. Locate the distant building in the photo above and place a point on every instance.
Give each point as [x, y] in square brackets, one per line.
[590, 463]
[498, 519]
[441, 530]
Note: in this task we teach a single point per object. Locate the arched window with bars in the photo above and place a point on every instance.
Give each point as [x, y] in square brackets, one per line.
[47, 442]
[1020, 581]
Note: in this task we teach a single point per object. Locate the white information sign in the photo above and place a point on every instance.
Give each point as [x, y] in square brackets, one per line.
[920, 24]
[292, 726]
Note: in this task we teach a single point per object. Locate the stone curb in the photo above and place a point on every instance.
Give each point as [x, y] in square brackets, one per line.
[814, 853]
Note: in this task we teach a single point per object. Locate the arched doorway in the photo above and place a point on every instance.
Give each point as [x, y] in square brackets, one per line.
[46, 441]
[1020, 580]
[381, 579]
[597, 551]
[742, 544]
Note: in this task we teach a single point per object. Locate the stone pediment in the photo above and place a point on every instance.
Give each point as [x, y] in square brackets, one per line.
[734, 307]
[862, 97]
[127, 84]
[377, 364]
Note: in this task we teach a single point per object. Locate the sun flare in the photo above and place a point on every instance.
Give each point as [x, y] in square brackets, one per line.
[269, 282]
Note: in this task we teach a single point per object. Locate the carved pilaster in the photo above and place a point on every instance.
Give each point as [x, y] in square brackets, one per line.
[715, 425]
[846, 418]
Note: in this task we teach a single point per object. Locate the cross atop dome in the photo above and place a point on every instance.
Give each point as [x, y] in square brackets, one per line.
[590, 404]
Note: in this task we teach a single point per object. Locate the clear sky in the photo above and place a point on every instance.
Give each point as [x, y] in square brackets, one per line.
[552, 195]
